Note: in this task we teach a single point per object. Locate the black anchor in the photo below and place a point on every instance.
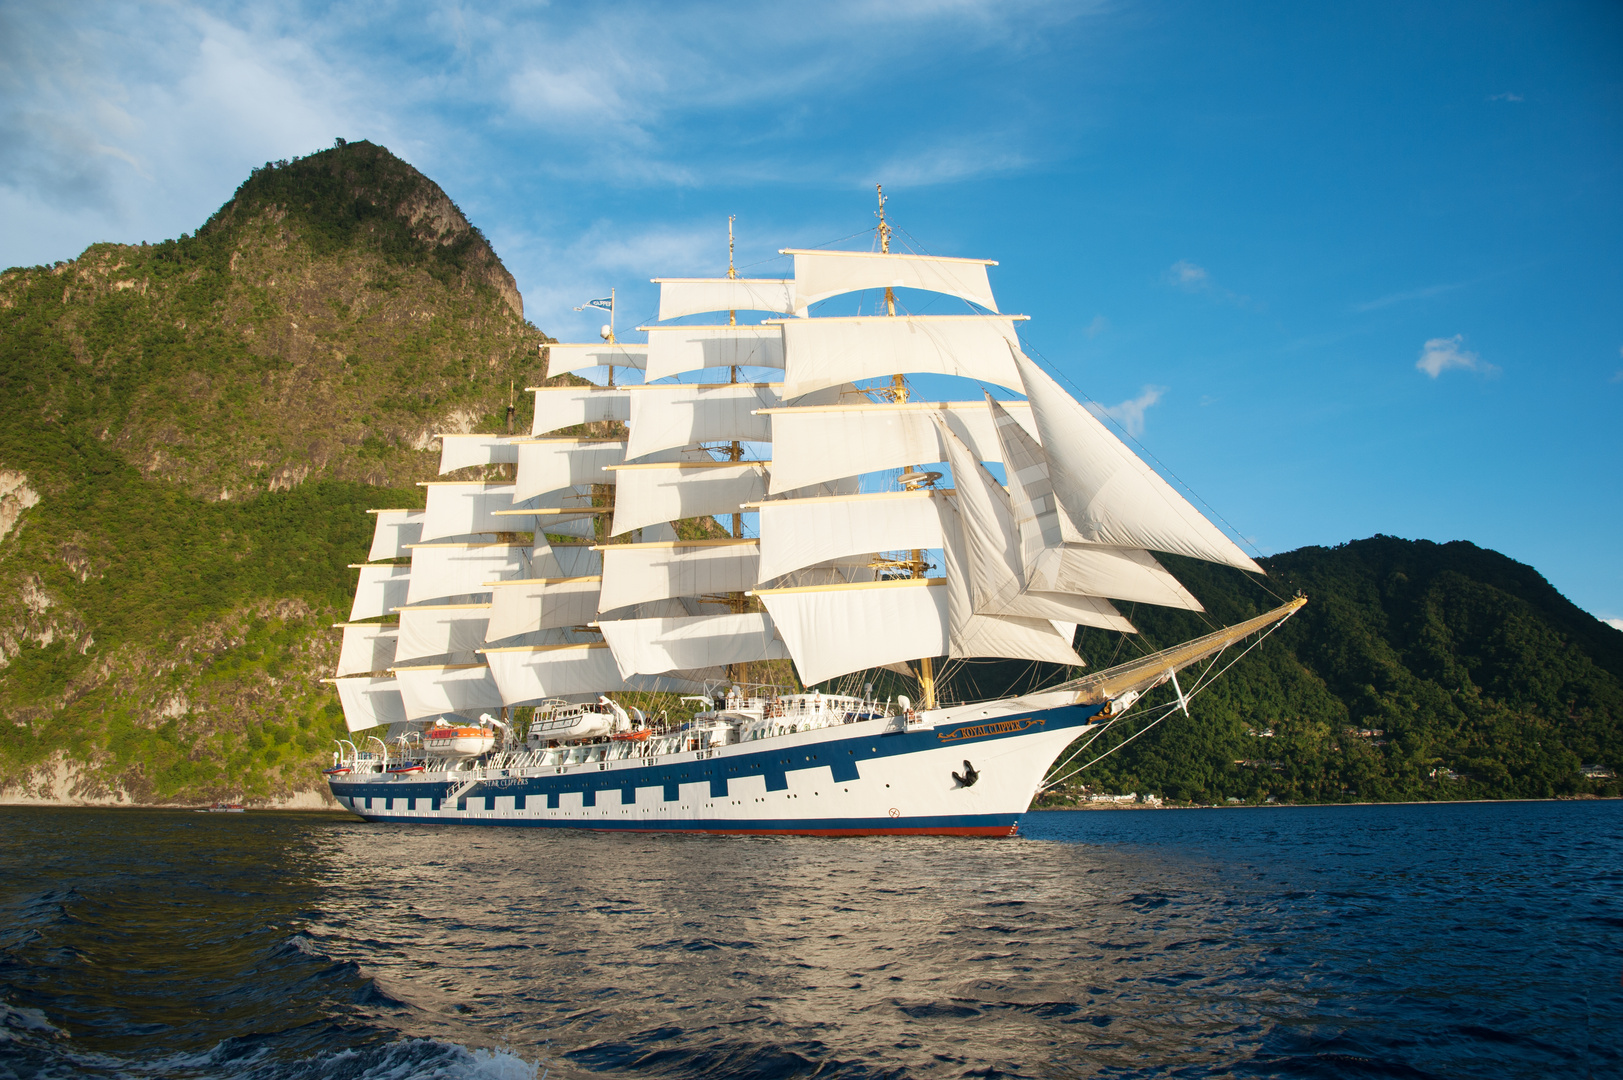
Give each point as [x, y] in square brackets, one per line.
[969, 777]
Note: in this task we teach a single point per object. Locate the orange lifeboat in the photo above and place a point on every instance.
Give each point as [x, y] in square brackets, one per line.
[445, 740]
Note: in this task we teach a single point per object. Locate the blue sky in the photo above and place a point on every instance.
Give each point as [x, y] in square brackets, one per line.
[1341, 270]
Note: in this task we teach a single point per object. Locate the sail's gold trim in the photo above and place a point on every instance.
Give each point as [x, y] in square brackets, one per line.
[518, 441]
[877, 255]
[554, 510]
[915, 493]
[905, 318]
[691, 464]
[883, 406]
[544, 648]
[675, 544]
[898, 583]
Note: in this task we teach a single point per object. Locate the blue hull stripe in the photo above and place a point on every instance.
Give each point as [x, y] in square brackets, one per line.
[1001, 824]
[843, 758]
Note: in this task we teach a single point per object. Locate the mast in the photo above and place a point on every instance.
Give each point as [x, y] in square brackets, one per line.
[735, 452]
[610, 336]
[911, 479]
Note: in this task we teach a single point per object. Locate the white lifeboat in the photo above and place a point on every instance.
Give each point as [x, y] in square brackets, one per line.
[446, 740]
[558, 721]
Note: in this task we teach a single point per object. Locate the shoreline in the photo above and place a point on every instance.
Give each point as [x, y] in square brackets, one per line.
[179, 808]
[294, 806]
[1299, 805]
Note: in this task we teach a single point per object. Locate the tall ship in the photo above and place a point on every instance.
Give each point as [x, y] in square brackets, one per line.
[716, 587]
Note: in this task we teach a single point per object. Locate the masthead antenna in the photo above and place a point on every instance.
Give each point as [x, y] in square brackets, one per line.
[884, 245]
[732, 316]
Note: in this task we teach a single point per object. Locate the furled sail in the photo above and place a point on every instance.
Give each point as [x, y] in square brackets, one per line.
[638, 573]
[826, 352]
[565, 406]
[679, 297]
[562, 359]
[833, 630]
[686, 414]
[439, 571]
[675, 350]
[370, 701]
[394, 534]
[796, 533]
[656, 646]
[532, 604]
[380, 590]
[465, 451]
[438, 689]
[822, 274]
[468, 508]
[653, 493]
[828, 442]
[441, 629]
[1107, 492]
[367, 647]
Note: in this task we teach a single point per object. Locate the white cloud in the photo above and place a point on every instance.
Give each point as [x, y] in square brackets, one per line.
[958, 158]
[1445, 354]
[1412, 294]
[137, 124]
[135, 119]
[1098, 326]
[1506, 96]
[1192, 278]
[1130, 414]
[1186, 275]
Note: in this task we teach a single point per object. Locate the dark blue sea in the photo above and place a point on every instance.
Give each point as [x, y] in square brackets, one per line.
[1475, 940]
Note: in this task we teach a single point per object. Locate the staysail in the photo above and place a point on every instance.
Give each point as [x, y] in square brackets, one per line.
[1109, 495]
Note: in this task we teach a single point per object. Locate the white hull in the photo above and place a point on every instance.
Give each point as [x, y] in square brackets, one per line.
[866, 777]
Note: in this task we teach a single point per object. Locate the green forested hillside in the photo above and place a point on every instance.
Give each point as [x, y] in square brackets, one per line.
[194, 431]
[1416, 671]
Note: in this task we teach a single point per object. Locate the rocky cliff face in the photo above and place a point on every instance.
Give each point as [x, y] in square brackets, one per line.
[328, 321]
[193, 432]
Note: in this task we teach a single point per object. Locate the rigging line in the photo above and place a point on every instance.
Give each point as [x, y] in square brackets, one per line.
[1097, 735]
[919, 249]
[1167, 711]
[1159, 713]
[1162, 465]
[1204, 681]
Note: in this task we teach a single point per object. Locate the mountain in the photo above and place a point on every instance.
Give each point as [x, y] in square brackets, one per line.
[1417, 671]
[194, 432]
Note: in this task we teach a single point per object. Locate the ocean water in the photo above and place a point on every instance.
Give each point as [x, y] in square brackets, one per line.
[1481, 940]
